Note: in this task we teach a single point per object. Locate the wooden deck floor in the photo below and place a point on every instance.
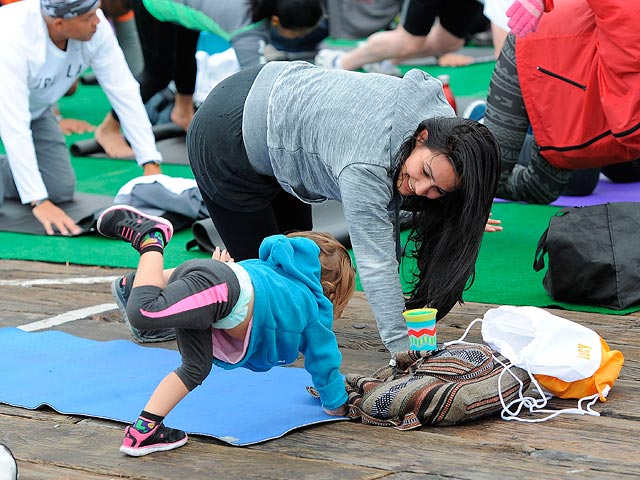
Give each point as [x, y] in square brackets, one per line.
[53, 446]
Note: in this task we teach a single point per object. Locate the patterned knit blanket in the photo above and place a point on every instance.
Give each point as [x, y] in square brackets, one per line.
[455, 384]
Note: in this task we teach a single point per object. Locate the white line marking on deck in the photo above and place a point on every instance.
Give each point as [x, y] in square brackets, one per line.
[57, 281]
[67, 317]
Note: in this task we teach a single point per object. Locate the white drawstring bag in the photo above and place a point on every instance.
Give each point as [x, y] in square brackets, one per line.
[8, 465]
[562, 357]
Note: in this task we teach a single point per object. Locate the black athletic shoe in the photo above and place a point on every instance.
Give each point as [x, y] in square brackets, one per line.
[131, 225]
[121, 289]
[160, 439]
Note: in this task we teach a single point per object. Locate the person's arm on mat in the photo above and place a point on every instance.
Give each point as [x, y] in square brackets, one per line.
[54, 218]
[28, 88]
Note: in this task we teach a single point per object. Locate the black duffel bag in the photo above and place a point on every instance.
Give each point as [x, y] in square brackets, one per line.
[594, 255]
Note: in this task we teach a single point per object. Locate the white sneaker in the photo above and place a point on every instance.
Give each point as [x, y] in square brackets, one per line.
[386, 67]
[476, 111]
[327, 58]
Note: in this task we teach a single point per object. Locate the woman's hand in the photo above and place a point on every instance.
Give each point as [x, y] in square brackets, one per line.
[493, 225]
[53, 217]
[221, 255]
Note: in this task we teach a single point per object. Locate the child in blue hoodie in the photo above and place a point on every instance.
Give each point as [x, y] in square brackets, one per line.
[255, 314]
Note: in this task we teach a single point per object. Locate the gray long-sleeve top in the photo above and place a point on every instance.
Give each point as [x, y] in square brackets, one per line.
[333, 134]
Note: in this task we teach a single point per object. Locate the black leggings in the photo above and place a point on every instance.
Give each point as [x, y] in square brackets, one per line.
[242, 232]
[245, 207]
[169, 52]
[199, 293]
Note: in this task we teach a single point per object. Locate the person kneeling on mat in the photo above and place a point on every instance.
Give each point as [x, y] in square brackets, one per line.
[255, 314]
[46, 45]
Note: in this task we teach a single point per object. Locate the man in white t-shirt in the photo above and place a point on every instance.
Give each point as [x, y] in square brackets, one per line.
[46, 46]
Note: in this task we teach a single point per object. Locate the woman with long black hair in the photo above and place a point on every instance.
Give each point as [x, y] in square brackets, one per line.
[271, 140]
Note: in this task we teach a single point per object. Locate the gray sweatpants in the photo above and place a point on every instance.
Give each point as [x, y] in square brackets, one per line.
[53, 162]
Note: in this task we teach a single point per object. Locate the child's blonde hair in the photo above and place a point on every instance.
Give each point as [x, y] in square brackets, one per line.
[337, 275]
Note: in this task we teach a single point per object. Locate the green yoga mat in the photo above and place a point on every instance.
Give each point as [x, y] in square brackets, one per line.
[470, 81]
[504, 269]
[504, 272]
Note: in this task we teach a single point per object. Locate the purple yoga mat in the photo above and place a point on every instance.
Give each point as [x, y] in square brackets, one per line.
[606, 191]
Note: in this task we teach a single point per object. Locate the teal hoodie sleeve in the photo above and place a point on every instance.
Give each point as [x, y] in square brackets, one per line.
[322, 360]
[298, 259]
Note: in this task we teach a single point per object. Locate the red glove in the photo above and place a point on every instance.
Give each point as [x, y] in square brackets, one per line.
[524, 16]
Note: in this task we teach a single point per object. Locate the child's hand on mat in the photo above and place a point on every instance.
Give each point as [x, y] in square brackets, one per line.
[50, 216]
[221, 255]
[338, 412]
[493, 225]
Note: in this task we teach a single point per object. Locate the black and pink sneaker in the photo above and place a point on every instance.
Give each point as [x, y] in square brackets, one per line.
[131, 225]
[160, 439]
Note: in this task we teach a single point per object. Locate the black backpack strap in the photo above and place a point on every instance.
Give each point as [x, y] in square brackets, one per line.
[541, 250]
[205, 236]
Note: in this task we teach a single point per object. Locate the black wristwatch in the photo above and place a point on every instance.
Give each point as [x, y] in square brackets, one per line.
[35, 203]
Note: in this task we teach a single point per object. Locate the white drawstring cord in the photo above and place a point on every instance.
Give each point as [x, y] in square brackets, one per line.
[464, 335]
[535, 406]
[532, 404]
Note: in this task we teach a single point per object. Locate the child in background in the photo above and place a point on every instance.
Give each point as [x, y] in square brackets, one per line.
[256, 314]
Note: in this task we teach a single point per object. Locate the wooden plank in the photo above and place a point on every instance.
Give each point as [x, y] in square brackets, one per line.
[477, 451]
[49, 445]
[95, 450]
[28, 470]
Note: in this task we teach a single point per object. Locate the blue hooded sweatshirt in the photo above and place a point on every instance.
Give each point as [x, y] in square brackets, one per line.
[291, 315]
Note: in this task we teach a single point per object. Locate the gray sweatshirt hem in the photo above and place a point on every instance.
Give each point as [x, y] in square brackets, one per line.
[254, 117]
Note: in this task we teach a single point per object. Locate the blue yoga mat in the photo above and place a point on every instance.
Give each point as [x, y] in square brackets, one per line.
[113, 380]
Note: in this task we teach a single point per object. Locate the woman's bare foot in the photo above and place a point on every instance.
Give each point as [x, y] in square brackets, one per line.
[183, 110]
[74, 125]
[454, 60]
[110, 138]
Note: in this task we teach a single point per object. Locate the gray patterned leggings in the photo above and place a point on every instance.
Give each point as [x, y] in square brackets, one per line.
[535, 181]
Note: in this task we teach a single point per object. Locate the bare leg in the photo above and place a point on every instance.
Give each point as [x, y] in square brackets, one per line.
[165, 276]
[183, 110]
[110, 138]
[437, 43]
[499, 36]
[169, 392]
[150, 270]
[454, 60]
[400, 45]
